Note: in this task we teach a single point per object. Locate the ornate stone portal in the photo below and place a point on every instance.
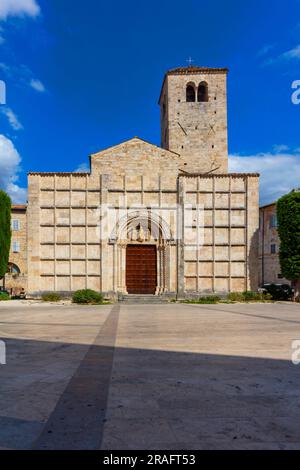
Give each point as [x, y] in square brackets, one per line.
[144, 228]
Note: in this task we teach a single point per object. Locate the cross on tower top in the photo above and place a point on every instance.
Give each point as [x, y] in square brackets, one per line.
[190, 61]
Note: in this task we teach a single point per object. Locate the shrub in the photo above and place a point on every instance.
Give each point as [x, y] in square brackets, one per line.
[4, 296]
[267, 297]
[87, 296]
[249, 296]
[235, 297]
[51, 297]
[212, 299]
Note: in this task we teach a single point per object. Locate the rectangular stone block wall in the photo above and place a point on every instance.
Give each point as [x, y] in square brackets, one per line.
[67, 247]
[217, 252]
[63, 219]
[220, 244]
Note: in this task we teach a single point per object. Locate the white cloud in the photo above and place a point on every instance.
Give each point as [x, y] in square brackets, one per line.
[83, 168]
[265, 49]
[280, 172]
[18, 8]
[9, 168]
[12, 118]
[5, 68]
[37, 85]
[292, 54]
[23, 76]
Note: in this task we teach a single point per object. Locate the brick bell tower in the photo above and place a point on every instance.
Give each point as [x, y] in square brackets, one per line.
[193, 104]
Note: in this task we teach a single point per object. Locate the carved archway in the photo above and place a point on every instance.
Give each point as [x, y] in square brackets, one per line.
[142, 227]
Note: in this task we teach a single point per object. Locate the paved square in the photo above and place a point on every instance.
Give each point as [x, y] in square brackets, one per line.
[149, 377]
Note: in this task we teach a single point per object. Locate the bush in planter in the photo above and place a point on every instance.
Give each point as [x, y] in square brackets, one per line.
[4, 296]
[51, 297]
[87, 296]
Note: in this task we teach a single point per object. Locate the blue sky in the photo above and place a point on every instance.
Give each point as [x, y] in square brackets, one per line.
[82, 76]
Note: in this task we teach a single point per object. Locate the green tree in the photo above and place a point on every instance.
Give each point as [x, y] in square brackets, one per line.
[288, 214]
[5, 232]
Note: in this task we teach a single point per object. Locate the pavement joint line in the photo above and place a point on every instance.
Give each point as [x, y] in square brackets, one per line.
[77, 421]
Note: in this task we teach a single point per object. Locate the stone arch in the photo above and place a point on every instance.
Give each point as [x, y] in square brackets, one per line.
[203, 92]
[140, 227]
[148, 220]
[12, 268]
[190, 92]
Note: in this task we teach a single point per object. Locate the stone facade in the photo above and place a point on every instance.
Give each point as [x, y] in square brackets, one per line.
[16, 278]
[225, 260]
[269, 245]
[202, 220]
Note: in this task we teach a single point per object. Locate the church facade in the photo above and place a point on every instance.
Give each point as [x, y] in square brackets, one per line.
[166, 220]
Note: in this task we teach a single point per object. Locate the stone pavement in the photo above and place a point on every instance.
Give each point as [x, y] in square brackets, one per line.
[149, 377]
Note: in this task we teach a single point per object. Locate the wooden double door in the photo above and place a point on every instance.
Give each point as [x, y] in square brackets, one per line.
[141, 269]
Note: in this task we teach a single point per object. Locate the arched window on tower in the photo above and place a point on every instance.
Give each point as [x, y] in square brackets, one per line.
[190, 93]
[203, 92]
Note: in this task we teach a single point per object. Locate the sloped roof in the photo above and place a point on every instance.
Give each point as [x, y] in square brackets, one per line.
[195, 69]
[268, 205]
[133, 140]
[18, 207]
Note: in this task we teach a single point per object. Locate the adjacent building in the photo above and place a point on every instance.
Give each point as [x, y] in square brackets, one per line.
[16, 277]
[166, 220]
[269, 245]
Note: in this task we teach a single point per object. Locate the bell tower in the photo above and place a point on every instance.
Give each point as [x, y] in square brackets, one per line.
[193, 104]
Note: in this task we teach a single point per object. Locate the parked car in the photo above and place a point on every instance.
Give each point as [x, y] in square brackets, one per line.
[279, 291]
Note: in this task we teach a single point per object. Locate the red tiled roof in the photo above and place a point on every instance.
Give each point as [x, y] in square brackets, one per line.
[57, 173]
[268, 205]
[18, 207]
[195, 69]
[219, 175]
